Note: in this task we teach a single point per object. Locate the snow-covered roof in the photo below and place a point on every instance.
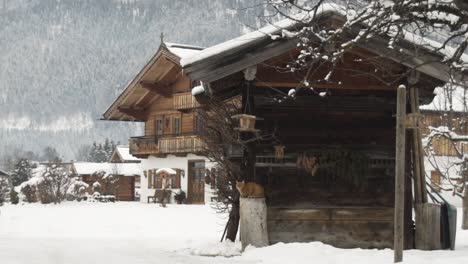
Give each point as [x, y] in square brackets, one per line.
[239, 42]
[285, 29]
[124, 153]
[448, 98]
[2, 173]
[167, 170]
[125, 169]
[182, 50]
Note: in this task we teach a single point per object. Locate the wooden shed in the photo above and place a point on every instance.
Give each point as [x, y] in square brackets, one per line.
[336, 180]
[124, 189]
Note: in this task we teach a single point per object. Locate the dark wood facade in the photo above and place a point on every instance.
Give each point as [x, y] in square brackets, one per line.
[336, 182]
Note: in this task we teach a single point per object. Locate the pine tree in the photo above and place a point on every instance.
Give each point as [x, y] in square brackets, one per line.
[22, 172]
[107, 147]
[92, 153]
[4, 189]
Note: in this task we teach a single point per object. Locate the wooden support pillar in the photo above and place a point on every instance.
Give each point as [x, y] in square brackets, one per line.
[253, 222]
[408, 213]
[420, 193]
[398, 231]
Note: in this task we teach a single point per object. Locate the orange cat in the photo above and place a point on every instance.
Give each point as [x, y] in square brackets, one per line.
[250, 189]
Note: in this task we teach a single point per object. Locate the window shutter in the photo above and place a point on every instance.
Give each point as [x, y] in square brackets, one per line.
[158, 181]
[150, 179]
[177, 179]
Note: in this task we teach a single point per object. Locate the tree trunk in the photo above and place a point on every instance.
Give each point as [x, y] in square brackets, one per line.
[233, 226]
[465, 210]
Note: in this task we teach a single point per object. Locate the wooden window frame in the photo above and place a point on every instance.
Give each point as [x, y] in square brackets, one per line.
[159, 128]
[177, 126]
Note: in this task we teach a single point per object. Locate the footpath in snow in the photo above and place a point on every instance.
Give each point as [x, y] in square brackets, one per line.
[135, 233]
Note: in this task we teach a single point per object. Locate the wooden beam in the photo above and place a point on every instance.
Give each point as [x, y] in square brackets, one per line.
[418, 153]
[398, 238]
[135, 112]
[331, 86]
[218, 67]
[159, 88]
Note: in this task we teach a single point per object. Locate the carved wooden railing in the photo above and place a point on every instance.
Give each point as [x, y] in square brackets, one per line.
[185, 101]
[145, 146]
[181, 144]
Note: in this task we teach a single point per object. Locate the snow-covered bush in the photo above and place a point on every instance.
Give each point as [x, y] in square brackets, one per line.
[49, 185]
[28, 190]
[96, 188]
[4, 190]
[77, 191]
[14, 199]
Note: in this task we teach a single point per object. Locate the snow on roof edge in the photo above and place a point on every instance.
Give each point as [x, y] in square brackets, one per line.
[264, 32]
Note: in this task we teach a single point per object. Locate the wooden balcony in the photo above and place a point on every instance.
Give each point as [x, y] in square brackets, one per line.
[185, 101]
[142, 147]
[180, 144]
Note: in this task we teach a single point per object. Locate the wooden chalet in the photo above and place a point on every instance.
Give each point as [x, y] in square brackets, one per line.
[335, 182]
[160, 96]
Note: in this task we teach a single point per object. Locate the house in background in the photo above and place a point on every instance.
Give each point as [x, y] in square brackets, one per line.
[5, 175]
[160, 96]
[126, 172]
[122, 154]
[448, 109]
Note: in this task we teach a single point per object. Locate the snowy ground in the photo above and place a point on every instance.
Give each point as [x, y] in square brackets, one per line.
[134, 233]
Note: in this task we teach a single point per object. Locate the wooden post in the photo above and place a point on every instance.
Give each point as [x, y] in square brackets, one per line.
[465, 210]
[253, 222]
[408, 214]
[398, 232]
[416, 161]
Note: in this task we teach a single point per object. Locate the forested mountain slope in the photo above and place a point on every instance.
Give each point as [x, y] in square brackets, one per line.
[62, 62]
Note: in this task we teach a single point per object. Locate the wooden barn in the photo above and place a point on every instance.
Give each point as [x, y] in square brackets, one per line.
[124, 189]
[328, 166]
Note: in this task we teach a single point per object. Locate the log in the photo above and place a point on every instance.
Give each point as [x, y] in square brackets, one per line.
[398, 240]
[253, 222]
[428, 226]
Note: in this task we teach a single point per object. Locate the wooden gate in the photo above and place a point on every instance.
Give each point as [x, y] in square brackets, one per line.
[196, 184]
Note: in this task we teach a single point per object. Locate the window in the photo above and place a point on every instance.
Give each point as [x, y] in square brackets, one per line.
[177, 128]
[198, 124]
[175, 179]
[159, 127]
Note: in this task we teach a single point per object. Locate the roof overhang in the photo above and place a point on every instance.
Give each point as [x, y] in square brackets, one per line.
[235, 55]
[152, 82]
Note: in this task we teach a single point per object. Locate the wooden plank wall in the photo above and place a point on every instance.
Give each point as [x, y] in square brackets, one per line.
[344, 227]
[126, 190]
[443, 146]
[163, 108]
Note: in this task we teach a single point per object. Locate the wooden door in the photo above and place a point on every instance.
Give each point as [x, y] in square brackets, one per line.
[196, 184]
